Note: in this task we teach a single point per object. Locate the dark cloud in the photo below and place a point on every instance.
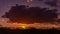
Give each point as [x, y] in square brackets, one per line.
[40, 0]
[28, 14]
[51, 3]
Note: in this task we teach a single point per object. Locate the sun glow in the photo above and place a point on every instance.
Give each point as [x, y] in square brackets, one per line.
[23, 26]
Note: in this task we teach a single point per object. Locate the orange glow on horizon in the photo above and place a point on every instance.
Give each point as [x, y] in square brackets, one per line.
[23, 25]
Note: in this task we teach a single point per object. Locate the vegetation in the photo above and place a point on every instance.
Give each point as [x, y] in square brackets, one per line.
[28, 31]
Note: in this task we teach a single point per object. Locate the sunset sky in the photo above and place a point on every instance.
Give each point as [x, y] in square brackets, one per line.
[5, 5]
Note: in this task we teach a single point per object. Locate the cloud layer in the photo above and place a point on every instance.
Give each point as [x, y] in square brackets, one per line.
[34, 25]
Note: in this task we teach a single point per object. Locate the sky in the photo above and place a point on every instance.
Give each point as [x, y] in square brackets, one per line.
[3, 23]
[5, 5]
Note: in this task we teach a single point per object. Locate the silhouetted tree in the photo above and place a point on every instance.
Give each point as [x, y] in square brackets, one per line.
[27, 14]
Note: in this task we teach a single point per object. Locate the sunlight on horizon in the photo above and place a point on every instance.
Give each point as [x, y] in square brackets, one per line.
[23, 26]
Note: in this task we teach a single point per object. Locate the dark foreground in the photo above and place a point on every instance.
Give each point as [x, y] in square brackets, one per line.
[29, 31]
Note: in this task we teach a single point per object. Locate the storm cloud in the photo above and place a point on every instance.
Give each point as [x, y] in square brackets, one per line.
[26, 14]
